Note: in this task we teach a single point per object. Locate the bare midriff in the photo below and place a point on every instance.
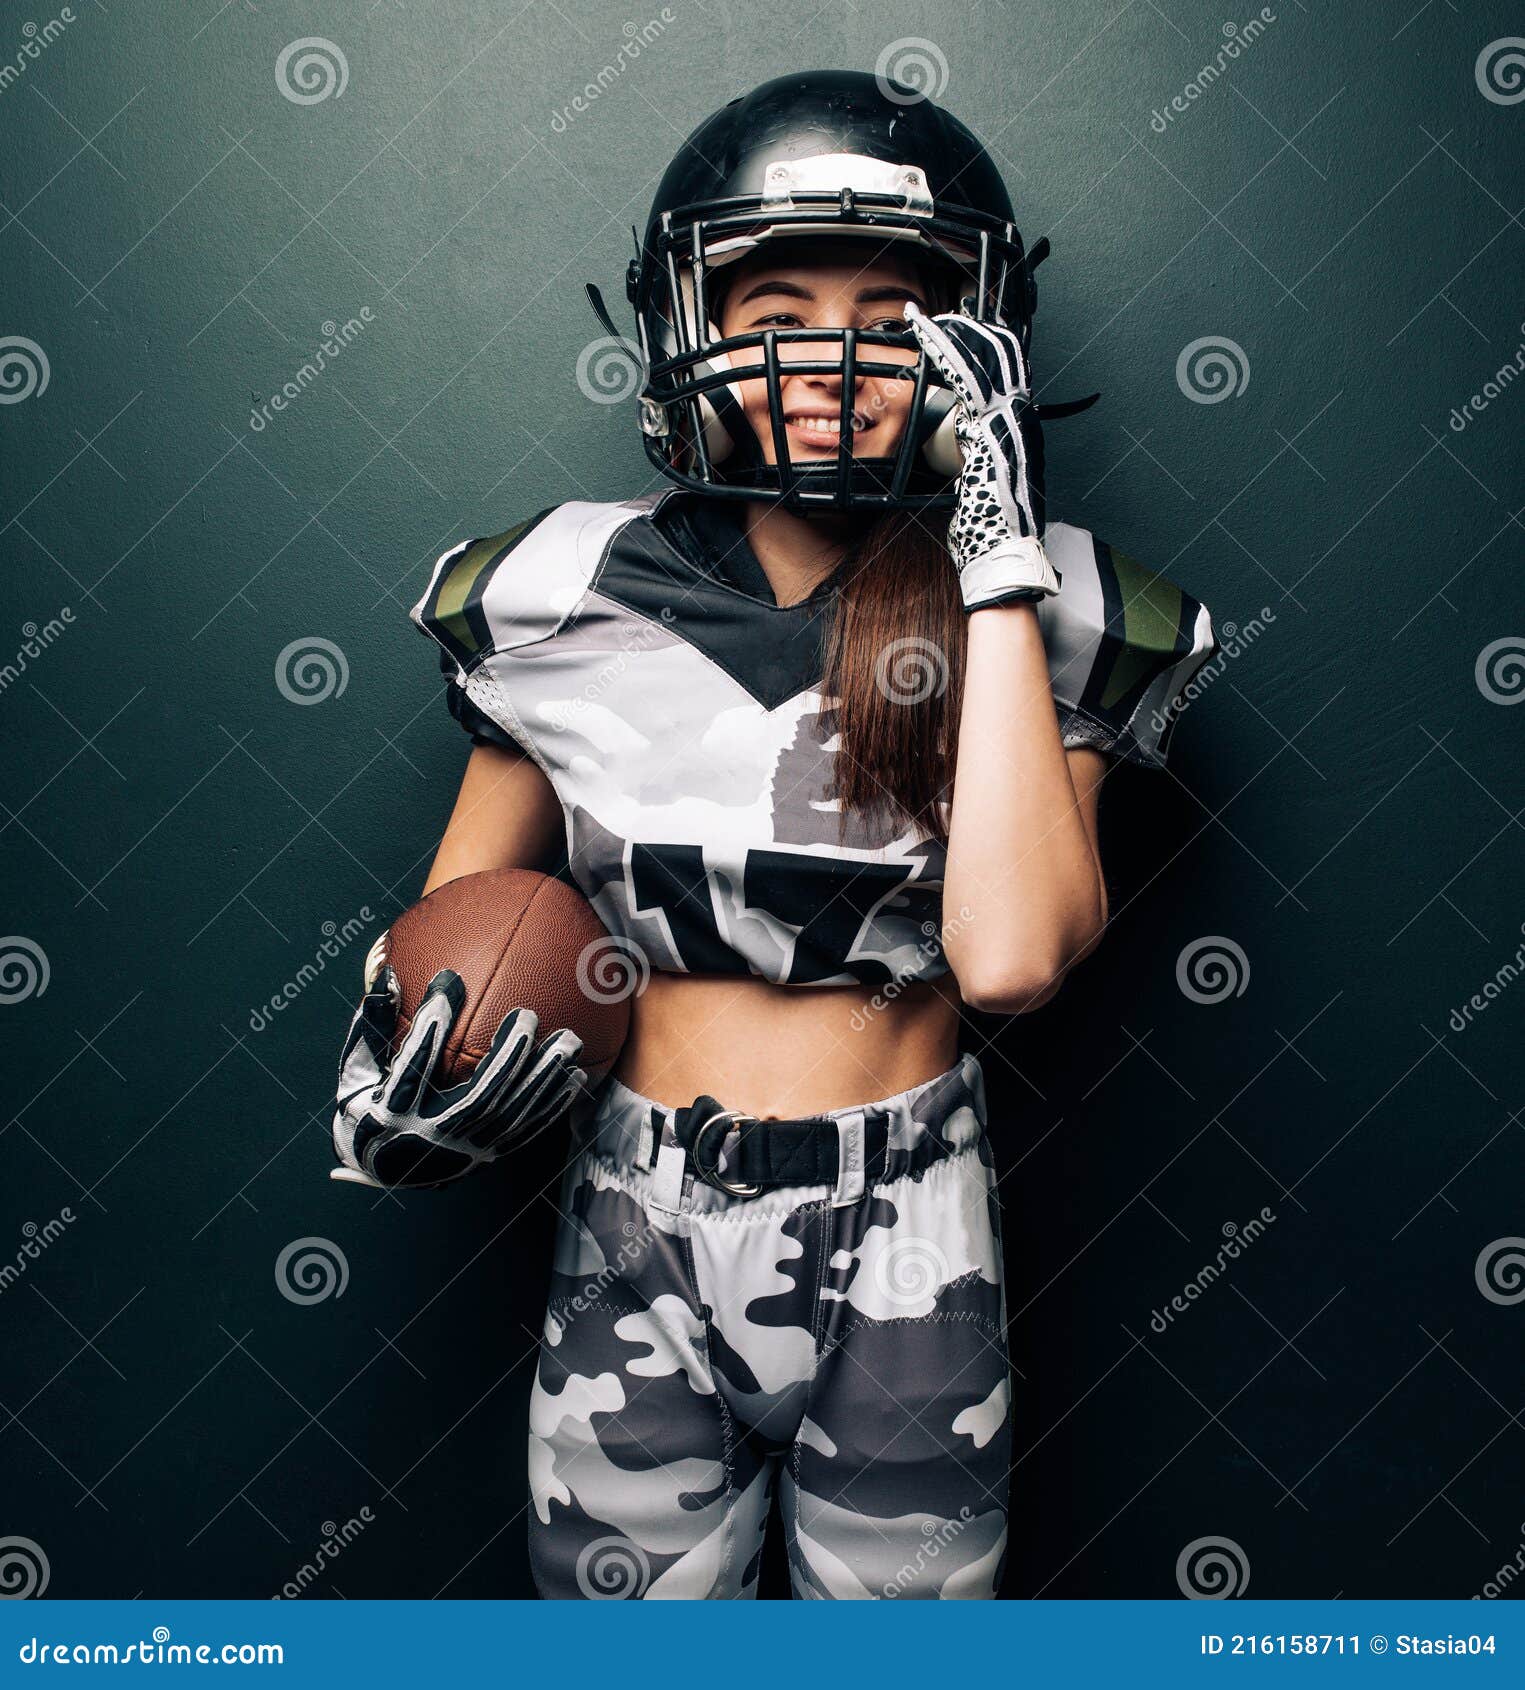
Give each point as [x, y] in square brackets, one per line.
[784, 1051]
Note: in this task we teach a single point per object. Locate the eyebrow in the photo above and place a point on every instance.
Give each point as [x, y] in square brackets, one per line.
[792, 290]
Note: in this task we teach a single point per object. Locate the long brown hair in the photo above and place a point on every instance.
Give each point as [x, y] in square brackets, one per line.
[895, 665]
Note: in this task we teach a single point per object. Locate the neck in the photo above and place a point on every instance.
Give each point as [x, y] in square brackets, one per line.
[797, 552]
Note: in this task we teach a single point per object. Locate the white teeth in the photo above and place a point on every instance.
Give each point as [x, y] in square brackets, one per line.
[823, 425]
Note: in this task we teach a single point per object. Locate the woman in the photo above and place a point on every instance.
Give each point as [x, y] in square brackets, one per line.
[798, 728]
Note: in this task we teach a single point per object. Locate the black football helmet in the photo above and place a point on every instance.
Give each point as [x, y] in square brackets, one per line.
[828, 153]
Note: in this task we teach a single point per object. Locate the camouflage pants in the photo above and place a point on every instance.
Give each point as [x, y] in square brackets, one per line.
[842, 1346]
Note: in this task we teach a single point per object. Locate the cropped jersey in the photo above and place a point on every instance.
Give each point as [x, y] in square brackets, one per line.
[678, 712]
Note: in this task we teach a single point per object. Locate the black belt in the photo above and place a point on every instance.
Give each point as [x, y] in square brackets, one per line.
[805, 1150]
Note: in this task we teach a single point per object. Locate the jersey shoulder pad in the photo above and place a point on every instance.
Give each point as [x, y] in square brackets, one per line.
[1123, 643]
[520, 586]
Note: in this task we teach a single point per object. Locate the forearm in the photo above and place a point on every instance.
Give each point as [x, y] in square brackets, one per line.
[1020, 857]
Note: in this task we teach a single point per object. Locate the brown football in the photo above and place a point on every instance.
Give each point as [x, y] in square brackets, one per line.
[519, 940]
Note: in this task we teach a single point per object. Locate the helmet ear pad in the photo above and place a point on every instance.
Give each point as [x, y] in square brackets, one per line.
[721, 413]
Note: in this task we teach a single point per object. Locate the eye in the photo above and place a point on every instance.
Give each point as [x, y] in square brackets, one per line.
[780, 319]
[890, 325]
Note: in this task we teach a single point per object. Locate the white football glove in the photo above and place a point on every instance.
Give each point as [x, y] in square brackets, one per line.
[394, 1127]
[993, 535]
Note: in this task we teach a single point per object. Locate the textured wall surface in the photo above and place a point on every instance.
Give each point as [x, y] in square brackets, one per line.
[226, 761]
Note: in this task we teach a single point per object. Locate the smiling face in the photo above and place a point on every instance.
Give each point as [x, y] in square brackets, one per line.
[833, 285]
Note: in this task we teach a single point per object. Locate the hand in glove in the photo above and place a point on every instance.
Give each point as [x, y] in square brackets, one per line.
[993, 536]
[394, 1128]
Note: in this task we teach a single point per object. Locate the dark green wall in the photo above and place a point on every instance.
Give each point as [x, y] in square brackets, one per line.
[1344, 805]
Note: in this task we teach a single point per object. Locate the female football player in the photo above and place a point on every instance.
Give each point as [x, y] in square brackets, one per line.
[821, 725]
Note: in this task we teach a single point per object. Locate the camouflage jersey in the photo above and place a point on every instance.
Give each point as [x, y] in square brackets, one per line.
[677, 709]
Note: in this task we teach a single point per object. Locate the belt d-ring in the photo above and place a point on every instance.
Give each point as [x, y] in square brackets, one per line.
[708, 1171]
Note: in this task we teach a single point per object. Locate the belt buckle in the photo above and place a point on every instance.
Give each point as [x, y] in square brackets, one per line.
[708, 1171]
